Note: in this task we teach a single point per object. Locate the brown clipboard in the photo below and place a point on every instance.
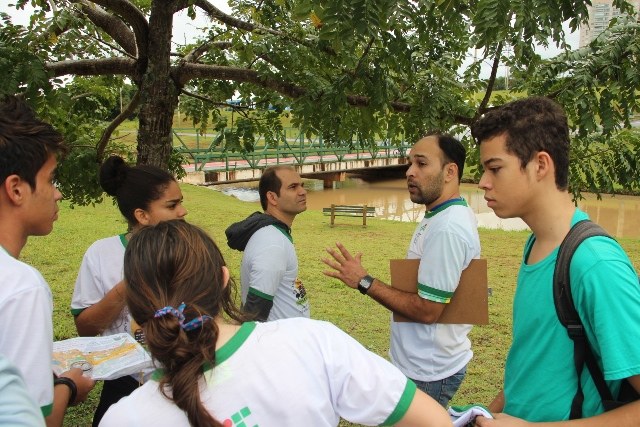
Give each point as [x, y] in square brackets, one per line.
[469, 303]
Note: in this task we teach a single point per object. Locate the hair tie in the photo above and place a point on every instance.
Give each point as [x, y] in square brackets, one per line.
[178, 313]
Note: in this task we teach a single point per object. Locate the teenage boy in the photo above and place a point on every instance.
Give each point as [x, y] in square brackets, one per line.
[434, 355]
[524, 150]
[28, 207]
[269, 273]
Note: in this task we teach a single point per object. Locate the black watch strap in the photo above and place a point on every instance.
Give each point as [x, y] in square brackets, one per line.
[72, 387]
[364, 284]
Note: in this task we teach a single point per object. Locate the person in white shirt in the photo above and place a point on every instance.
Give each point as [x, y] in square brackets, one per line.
[271, 288]
[145, 195]
[435, 355]
[29, 198]
[17, 408]
[218, 370]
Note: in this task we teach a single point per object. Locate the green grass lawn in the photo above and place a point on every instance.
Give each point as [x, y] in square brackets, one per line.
[58, 257]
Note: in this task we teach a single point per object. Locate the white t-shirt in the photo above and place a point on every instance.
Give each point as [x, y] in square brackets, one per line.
[270, 270]
[17, 408]
[26, 329]
[102, 268]
[445, 241]
[290, 372]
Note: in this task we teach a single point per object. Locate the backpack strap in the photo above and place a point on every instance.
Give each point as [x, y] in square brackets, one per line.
[569, 317]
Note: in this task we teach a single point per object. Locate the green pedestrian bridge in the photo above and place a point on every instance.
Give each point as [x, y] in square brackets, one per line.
[208, 163]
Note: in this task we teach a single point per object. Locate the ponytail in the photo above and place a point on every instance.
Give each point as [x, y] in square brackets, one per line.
[182, 355]
[166, 265]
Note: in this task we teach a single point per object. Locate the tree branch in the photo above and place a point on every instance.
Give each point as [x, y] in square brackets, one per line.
[205, 99]
[111, 25]
[196, 53]
[491, 82]
[92, 67]
[115, 48]
[106, 135]
[134, 17]
[215, 13]
[364, 55]
[199, 71]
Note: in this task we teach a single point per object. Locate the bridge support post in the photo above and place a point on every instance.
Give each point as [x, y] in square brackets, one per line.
[329, 178]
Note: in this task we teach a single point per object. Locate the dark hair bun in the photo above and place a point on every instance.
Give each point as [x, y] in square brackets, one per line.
[113, 174]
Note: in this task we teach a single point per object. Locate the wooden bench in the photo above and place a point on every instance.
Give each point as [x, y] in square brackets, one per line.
[362, 211]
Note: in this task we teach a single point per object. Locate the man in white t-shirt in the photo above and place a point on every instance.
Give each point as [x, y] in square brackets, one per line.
[432, 354]
[28, 207]
[271, 288]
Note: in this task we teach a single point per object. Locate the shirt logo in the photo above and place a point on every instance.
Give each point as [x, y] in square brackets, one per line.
[239, 419]
[300, 292]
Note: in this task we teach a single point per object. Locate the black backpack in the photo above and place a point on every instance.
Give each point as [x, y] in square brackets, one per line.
[568, 316]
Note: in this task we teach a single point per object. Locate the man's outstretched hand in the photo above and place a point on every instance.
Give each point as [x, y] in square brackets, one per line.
[344, 266]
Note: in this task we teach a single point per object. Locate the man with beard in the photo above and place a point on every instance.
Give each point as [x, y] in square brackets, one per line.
[432, 354]
[269, 273]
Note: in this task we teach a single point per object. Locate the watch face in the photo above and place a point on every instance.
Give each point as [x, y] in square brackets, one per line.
[366, 281]
[364, 284]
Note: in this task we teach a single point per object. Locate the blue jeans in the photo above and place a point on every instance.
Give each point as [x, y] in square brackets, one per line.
[443, 390]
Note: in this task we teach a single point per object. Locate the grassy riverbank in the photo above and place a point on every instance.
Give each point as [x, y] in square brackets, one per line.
[58, 257]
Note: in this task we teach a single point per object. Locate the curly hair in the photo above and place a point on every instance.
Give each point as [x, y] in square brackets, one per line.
[530, 125]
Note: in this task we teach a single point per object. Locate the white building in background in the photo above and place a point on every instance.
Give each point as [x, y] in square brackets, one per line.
[600, 13]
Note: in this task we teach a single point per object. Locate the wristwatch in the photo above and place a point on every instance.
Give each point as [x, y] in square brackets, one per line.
[364, 284]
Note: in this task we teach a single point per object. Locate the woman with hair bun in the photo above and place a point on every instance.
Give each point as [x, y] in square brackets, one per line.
[216, 369]
[145, 196]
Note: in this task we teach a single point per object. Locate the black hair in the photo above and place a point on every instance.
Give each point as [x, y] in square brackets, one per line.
[134, 187]
[26, 142]
[269, 181]
[454, 151]
[530, 125]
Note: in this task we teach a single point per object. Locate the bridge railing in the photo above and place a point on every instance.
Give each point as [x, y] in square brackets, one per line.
[203, 152]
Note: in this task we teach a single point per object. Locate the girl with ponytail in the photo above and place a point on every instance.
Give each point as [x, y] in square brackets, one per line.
[216, 369]
[145, 196]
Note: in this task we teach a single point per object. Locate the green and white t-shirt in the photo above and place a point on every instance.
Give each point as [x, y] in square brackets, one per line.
[290, 372]
[26, 329]
[270, 270]
[445, 241]
[102, 268]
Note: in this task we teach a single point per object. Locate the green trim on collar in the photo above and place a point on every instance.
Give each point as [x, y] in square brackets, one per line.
[403, 405]
[445, 205]
[285, 232]
[123, 239]
[224, 352]
[236, 341]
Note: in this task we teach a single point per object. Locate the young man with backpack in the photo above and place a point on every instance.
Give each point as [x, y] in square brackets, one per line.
[524, 150]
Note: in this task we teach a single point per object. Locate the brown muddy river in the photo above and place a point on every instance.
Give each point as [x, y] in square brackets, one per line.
[619, 215]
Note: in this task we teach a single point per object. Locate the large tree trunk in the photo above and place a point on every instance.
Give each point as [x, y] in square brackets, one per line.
[159, 93]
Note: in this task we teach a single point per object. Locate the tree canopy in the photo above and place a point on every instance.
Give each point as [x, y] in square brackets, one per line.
[345, 67]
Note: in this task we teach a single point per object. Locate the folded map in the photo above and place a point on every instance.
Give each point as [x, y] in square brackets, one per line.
[102, 358]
